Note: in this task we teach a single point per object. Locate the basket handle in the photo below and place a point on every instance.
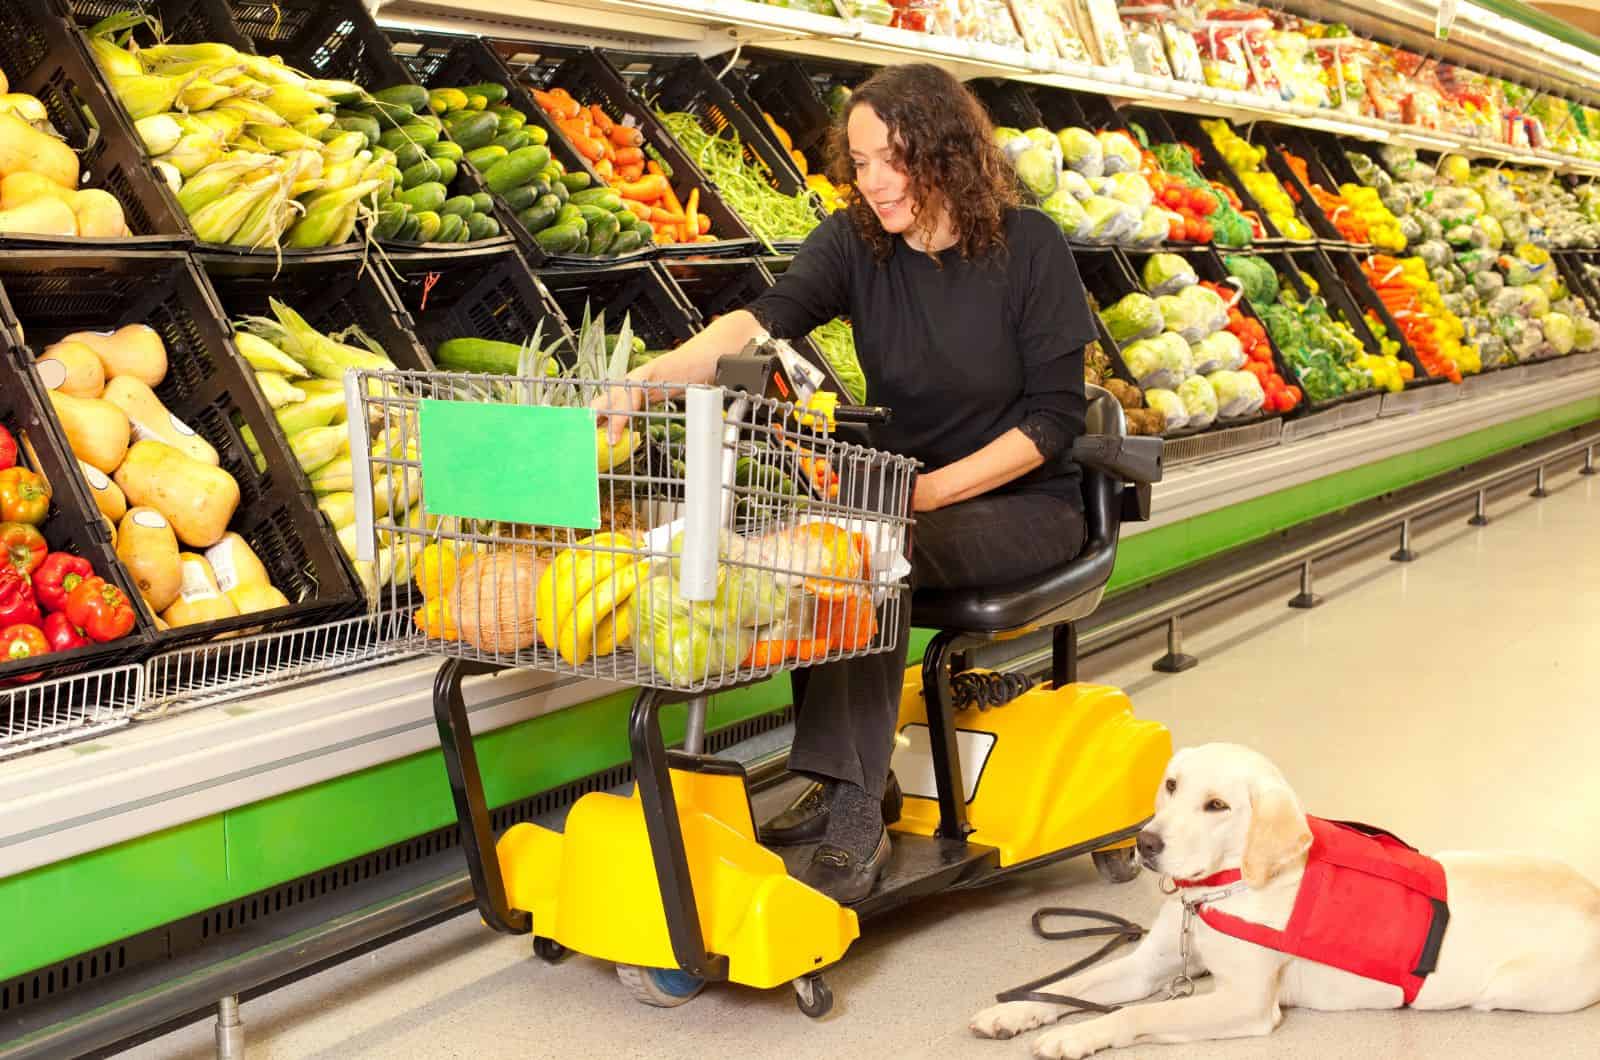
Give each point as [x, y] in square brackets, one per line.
[708, 465]
[360, 467]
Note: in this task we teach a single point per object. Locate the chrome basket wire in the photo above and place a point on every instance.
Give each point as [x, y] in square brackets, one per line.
[740, 538]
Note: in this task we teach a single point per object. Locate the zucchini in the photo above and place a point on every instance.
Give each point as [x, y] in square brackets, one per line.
[473, 130]
[576, 181]
[447, 170]
[482, 202]
[450, 228]
[425, 172]
[536, 218]
[560, 239]
[484, 157]
[628, 241]
[604, 198]
[513, 140]
[492, 92]
[520, 198]
[408, 155]
[457, 205]
[398, 137]
[478, 355]
[413, 97]
[446, 149]
[481, 226]
[424, 197]
[428, 224]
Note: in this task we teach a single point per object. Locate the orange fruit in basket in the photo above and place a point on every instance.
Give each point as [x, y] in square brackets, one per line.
[834, 557]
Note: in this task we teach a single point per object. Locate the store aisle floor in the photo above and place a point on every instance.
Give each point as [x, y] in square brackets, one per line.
[1451, 700]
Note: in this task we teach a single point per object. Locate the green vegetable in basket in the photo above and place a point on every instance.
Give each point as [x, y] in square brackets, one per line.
[746, 186]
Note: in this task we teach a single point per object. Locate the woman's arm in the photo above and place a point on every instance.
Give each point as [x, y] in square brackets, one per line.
[693, 362]
[1003, 460]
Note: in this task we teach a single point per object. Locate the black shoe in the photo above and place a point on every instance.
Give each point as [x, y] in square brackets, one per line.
[806, 818]
[844, 876]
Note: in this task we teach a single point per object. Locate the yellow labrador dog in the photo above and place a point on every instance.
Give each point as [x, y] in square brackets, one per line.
[1523, 932]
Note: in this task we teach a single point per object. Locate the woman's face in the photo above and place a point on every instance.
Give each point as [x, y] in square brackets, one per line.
[879, 179]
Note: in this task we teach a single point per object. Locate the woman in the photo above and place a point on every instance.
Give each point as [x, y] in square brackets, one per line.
[970, 323]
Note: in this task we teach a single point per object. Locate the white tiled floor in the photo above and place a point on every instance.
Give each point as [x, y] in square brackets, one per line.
[1450, 700]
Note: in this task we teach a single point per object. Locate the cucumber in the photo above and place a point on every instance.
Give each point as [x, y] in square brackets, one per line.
[482, 202]
[604, 198]
[424, 197]
[576, 181]
[551, 173]
[474, 130]
[559, 190]
[408, 155]
[538, 135]
[391, 216]
[571, 215]
[443, 99]
[364, 124]
[536, 218]
[489, 91]
[408, 229]
[593, 215]
[387, 115]
[446, 149]
[560, 239]
[457, 205]
[450, 228]
[478, 102]
[510, 118]
[447, 170]
[478, 355]
[481, 226]
[384, 155]
[520, 198]
[425, 172]
[625, 219]
[484, 157]
[512, 141]
[518, 167]
[431, 121]
[412, 97]
[627, 241]
[398, 137]
[428, 224]
[602, 233]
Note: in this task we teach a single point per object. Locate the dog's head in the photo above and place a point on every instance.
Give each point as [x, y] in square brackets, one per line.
[1222, 806]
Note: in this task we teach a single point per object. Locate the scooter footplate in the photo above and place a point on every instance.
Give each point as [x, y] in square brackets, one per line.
[918, 866]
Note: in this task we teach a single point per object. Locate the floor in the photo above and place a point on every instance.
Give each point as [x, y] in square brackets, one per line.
[1449, 699]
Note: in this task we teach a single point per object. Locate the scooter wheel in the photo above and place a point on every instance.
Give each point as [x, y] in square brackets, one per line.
[550, 951]
[1116, 866]
[813, 995]
[661, 987]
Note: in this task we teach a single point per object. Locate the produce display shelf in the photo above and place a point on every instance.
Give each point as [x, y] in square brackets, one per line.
[1222, 440]
[151, 777]
[1417, 399]
[1335, 416]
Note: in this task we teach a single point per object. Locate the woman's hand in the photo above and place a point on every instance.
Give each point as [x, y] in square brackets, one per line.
[613, 404]
[928, 495]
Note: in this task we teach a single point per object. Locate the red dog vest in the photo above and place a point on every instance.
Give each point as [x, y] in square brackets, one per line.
[1368, 904]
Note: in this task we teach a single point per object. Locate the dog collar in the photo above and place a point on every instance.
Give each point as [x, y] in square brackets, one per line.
[1216, 879]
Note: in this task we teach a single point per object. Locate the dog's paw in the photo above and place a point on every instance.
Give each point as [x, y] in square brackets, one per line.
[1013, 1018]
[1067, 1043]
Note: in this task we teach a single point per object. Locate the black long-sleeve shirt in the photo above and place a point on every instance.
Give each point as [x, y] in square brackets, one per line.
[962, 351]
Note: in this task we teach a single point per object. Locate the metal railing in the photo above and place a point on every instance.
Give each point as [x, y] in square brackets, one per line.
[34, 717]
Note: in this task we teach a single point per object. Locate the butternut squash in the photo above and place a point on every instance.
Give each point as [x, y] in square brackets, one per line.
[73, 369]
[41, 217]
[19, 189]
[99, 214]
[24, 149]
[97, 430]
[199, 600]
[150, 419]
[148, 548]
[134, 349]
[107, 495]
[197, 499]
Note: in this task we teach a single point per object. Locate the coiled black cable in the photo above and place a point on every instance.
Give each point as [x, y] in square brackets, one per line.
[986, 689]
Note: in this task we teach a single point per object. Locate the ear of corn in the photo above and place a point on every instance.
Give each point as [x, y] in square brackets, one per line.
[334, 477]
[319, 446]
[112, 60]
[323, 223]
[160, 133]
[157, 57]
[219, 219]
[264, 357]
[146, 95]
[252, 110]
[340, 508]
[277, 389]
[317, 410]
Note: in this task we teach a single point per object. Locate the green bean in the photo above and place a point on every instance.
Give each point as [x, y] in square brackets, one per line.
[770, 214]
[837, 344]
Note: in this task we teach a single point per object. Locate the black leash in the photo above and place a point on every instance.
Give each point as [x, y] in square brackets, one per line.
[1117, 931]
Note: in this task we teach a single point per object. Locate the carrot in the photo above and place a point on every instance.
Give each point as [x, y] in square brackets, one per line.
[602, 121]
[630, 174]
[580, 139]
[646, 189]
[669, 196]
[705, 223]
[627, 156]
[706, 239]
[641, 210]
[626, 136]
[665, 217]
[564, 105]
[777, 652]
[691, 223]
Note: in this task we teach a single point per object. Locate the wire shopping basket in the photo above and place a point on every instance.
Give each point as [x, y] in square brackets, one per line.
[721, 539]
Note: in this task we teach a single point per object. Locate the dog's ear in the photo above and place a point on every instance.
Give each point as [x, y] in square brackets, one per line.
[1278, 833]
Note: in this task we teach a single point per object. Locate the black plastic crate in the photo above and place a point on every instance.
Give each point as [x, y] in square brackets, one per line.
[208, 387]
[1352, 283]
[44, 58]
[585, 73]
[635, 289]
[324, 38]
[1277, 142]
[73, 523]
[487, 294]
[1009, 103]
[442, 60]
[792, 92]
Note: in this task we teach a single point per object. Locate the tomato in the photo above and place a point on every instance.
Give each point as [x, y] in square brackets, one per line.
[1205, 233]
[1171, 197]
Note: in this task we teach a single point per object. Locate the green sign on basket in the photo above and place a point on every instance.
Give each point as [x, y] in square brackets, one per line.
[511, 463]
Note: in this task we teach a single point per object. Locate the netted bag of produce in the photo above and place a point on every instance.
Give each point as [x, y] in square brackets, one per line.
[1162, 362]
[1200, 400]
[1132, 317]
[1170, 405]
[1081, 152]
[1238, 394]
[1219, 351]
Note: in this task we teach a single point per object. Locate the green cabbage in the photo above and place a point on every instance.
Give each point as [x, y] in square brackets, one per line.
[1560, 332]
[1193, 312]
[1108, 218]
[1120, 153]
[1219, 351]
[1081, 152]
[1037, 171]
[1200, 400]
[1237, 394]
[1077, 184]
[1131, 188]
[1167, 274]
[1063, 208]
[1153, 227]
[1132, 317]
[1169, 405]
[1162, 362]
[1586, 334]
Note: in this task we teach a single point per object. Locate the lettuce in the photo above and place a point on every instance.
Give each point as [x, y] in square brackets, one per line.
[1120, 154]
[1200, 400]
[1560, 332]
[1219, 351]
[1237, 394]
[1169, 405]
[1167, 274]
[1081, 152]
[1132, 317]
[1162, 362]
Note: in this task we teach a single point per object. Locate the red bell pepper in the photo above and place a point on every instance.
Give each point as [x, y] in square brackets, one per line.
[100, 609]
[8, 449]
[24, 496]
[57, 576]
[22, 547]
[17, 603]
[62, 634]
[22, 642]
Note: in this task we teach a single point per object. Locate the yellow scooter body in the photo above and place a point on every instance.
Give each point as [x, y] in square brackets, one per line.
[1052, 769]
[593, 888]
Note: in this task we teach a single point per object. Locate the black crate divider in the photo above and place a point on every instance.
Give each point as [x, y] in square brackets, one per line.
[590, 78]
[634, 289]
[44, 58]
[208, 387]
[487, 294]
[788, 90]
[73, 524]
[1009, 103]
[1187, 130]
[440, 60]
[1277, 142]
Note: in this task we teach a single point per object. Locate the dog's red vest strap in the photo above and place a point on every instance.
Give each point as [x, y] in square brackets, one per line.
[1368, 904]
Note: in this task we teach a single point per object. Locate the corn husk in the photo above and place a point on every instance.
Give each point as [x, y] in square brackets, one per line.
[169, 173]
[263, 356]
[317, 410]
[202, 91]
[146, 95]
[304, 165]
[158, 58]
[397, 492]
[193, 152]
[340, 508]
[252, 110]
[23, 106]
[293, 103]
[316, 124]
[221, 177]
[160, 133]
[114, 61]
[219, 219]
[336, 91]
[224, 124]
[319, 447]
[267, 221]
[328, 223]
[271, 72]
[280, 139]
[249, 438]
[335, 477]
[344, 147]
[277, 389]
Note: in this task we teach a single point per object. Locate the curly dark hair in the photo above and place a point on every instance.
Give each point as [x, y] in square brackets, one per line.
[943, 139]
